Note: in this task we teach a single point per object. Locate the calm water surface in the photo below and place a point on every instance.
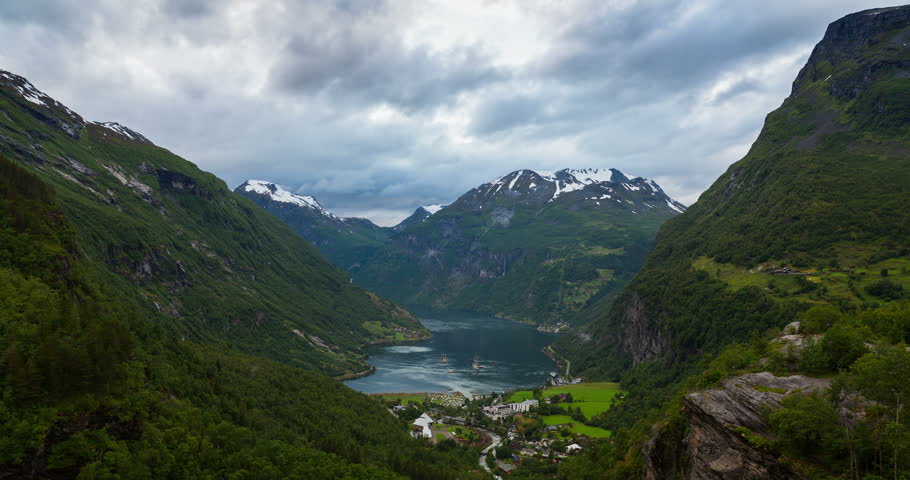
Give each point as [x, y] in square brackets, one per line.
[509, 355]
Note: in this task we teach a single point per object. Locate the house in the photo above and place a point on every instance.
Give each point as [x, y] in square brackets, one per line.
[573, 448]
[505, 467]
[421, 428]
[496, 412]
[454, 421]
[524, 406]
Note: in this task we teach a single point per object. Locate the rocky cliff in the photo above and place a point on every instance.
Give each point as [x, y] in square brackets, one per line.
[718, 439]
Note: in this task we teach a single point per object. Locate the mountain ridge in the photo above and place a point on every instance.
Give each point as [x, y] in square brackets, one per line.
[499, 247]
[802, 240]
[180, 237]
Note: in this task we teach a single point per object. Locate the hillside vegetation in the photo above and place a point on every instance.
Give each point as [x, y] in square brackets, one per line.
[207, 263]
[116, 360]
[814, 216]
[516, 249]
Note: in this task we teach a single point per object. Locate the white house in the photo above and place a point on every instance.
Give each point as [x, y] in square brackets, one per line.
[523, 406]
[421, 427]
[573, 448]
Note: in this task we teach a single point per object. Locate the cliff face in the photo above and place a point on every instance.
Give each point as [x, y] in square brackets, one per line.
[714, 443]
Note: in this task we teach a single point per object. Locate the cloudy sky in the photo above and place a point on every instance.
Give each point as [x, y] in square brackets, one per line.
[376, 107]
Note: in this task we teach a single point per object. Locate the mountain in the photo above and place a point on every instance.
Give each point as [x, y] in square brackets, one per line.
[346, 242]
[208, 263]
[151, 322]
[811, 226]
[419, 215]
[538, 248]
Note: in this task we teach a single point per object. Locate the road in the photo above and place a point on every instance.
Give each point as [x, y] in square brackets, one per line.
[568, 362]
[483, 454]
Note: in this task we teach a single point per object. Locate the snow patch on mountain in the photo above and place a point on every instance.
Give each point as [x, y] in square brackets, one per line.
[25, 88]
[432, 209]
[123, 131]
[278, 194]
[675, 205]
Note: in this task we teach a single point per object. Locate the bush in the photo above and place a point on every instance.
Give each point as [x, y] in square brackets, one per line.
[807, 425]
[819, 318]
[886, 290]
[843, 344]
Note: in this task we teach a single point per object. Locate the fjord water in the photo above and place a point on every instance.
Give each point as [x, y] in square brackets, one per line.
[509, 354]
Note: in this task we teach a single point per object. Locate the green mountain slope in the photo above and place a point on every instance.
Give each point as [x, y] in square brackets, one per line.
[823, 191]
[94, 385]
[811, 225]
[346, 242]
[533, 248]
[210, 264]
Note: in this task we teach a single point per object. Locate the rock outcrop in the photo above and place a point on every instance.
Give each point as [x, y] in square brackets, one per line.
[715, 442]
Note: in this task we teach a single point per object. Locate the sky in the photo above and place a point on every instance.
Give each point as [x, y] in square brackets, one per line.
[377, 107]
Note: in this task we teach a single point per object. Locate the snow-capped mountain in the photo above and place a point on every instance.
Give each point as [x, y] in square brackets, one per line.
[541, 247]
[343, 241]
[590, 186]
[275, 193]
[420, 215]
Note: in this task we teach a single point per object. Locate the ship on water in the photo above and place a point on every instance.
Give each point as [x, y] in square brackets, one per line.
[476, 363]
[443, 359]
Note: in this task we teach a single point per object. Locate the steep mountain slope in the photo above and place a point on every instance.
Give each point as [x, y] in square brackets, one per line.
[346, 242]
[530, 247]
[419, 215]
[815, 215]
[210, 264]
[94, 385]
[823, 191]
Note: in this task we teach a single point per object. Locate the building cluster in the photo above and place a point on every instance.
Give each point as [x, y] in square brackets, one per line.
[500, 411]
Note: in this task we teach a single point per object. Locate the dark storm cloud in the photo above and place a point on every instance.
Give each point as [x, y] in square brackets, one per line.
[187, 8]
[362, 59]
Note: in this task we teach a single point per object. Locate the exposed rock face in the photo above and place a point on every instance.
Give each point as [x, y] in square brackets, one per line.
[709, 448]
[846, 40]
[641, 338]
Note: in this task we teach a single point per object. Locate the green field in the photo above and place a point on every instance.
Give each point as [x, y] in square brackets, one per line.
[579, 428]
[591, 398]
[587, 392]
[520, 396]
[836, 282]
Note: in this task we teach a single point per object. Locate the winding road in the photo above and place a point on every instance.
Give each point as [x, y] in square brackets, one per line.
[483, 454]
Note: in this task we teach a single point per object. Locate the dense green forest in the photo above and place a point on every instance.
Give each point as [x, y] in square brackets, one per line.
[206, 262]
[156, 325]
[91, 387]
[815, 216]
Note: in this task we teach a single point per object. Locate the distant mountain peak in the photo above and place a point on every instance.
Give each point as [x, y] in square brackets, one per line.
[570, 180]
[420, 215]
[278, 194]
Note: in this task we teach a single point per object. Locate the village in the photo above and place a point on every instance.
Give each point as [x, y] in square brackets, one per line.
[511, 430]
